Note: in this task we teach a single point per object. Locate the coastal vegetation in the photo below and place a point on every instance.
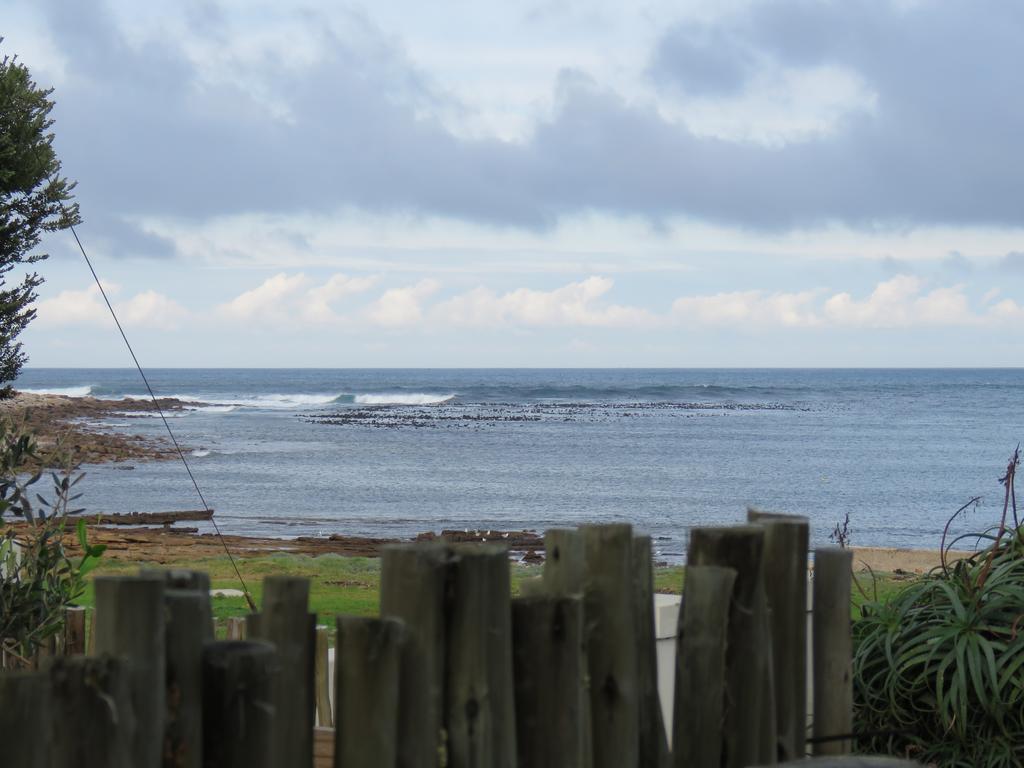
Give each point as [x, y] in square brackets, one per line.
[939, 665]
[39, 579]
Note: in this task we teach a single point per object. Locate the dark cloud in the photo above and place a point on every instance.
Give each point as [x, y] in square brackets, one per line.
[702, 60]
[145, 134]
[1012, 262]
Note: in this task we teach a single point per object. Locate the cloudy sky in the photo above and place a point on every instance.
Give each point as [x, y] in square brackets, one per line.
[535, 182]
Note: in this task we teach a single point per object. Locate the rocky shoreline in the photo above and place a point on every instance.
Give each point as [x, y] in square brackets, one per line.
[68, 430]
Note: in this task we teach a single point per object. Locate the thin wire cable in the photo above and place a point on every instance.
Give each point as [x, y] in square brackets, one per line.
[159, 410]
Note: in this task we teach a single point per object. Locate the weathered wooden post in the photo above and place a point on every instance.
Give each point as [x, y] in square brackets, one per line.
[188, 625]
[238, 708]
[701, 639]
[130, 624]
[367, 664]
[479, 688]
[235, 628]
[740, 548]
[93, 721]
[610, 617]
[321, 672]
[26, 722]
[548, 660]
[833, 650]
[564, 567]
[194, 581]
[653, 740]
[74, 631]
[785, 579]
[90, 638]
[563, 562]
[413, 582]
[286, 622]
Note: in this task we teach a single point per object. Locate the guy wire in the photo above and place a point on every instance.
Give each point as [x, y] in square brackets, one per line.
[159, 410]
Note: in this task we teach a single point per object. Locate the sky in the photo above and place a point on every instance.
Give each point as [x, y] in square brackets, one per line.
[536, 183]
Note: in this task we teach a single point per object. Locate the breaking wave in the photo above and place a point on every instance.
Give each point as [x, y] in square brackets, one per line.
[402, 399]
[66, 391]
[280, 401]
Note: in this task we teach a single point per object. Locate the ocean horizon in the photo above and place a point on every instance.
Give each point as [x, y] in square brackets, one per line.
[397, 451]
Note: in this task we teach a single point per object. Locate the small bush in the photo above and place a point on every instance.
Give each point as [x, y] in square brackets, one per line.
[38, 580]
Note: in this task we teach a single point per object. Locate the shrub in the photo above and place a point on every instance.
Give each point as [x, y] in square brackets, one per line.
[939, 667]
[38, 579]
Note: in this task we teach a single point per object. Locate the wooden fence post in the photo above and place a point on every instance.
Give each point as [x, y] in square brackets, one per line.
[610, 618]
[833, 650]
[785, 579]
[564, 568]
[367, 663]
[321, 671]
[187, 628]
[90, 638]
[26, 722]
[548, 660]
[741, 548]
[74, 631]
[563, 562]
[286, 622]
[236, 628]
[479, 689]
[238, 709]
[130, 624]
[94, 724]
[701, 637]
[413, 582]
[193, 581]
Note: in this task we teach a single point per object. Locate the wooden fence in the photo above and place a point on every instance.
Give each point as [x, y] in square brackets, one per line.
[455, 672]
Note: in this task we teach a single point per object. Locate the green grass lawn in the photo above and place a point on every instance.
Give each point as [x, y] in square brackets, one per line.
[351, 585]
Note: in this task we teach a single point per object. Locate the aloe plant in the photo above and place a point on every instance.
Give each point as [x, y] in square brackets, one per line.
[939, 666]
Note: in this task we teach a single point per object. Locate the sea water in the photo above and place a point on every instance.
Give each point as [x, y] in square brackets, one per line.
[391, 452]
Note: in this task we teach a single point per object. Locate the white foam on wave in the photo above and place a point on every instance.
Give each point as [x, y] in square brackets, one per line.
[66, 391]
[272, 401]
[402, 399]
[200, 453]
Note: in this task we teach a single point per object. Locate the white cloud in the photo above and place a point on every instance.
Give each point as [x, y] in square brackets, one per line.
[900, 303]
[267, 301]
[286, 298]
[152, 310]
[573, 304]
[317, 307]
[400, 307]
[751, 308]
[74, 308]
[148, 309]
[1007, 311]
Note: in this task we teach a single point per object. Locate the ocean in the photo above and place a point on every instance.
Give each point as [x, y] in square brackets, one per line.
[391, 452]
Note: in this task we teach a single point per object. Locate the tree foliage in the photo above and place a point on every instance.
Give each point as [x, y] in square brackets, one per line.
[34, 199]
